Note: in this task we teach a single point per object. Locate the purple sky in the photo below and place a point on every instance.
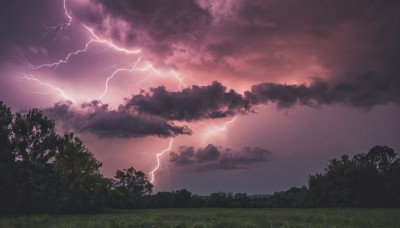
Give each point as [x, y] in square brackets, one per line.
[231, 95]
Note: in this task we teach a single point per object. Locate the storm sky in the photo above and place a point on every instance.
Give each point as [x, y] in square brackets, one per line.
[230, 95]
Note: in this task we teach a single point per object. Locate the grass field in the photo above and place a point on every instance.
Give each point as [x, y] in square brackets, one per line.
[214, 217]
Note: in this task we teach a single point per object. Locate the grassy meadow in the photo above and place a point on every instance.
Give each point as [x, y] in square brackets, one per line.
[216, 217]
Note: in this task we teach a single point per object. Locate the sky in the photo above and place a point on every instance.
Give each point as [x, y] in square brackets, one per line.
[230, 95]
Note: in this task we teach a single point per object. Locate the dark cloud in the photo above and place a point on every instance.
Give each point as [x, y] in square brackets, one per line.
[96, 118]
[186, 156]
[364, 91]
[212, 157]
[208, 153]
[194, 103]
[308, 38]
[213, 101]
[265, 39]
[222, 49]
[239, 160]
[154, 25]
[286, 96]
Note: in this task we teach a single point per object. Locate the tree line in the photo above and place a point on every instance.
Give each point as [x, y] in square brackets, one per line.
[41, 171]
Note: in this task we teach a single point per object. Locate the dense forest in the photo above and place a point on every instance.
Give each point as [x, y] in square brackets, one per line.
[41, 171]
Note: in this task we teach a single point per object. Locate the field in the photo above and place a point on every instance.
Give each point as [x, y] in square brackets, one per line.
[215, 217]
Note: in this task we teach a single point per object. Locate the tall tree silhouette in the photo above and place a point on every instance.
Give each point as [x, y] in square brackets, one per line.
[43, 172]
[34, 142]
[7, 161]
[80, 182]
[365, 180]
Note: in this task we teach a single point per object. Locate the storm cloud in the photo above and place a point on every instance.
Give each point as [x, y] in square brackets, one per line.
[194, 103]
[209, 102]
[362, 91]
[97, 119]
[264, 40]
[160, 27]
[212, 157]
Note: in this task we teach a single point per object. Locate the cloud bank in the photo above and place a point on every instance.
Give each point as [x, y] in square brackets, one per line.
[263, 40]
[212, 157]
[194, 103]
[150, 113]
[363, 91]
[160, 27]
[97, 119]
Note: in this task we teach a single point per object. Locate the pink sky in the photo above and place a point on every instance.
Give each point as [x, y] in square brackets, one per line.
[276, 87]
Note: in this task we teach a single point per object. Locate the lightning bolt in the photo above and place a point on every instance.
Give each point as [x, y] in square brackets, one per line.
[60, 27]
[61, 61]
[148, 68]
[158, 155]
[47, 84]
[180, 80]
[94, 39]
[227, 123]
[65, 60]
[118, 70]
[151, 69]
[110, 43]
[214, 129]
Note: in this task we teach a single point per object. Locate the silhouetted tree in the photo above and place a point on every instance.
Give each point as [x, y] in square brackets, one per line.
[163, 200]
[294, 197]
[182, 198]
[220, 199]
[197, 201]
[241, 200]
[82, 186]
[35, 145]
[129, 185]
[43, 172]
[133, 182]
[365, 180]
[8, 188]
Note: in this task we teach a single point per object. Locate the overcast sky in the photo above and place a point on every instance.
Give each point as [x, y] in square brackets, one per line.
[231, 95]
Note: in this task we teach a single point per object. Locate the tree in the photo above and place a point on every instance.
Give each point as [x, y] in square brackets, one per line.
[163, 200]
[182, 198]
[133, 182]
[129, 185]
[34, 141]
[241, 200]
[197, 201]
[294, 197]
[7, 161]
[43, 172]
[81, 185]
[365, 180]
[220, 199]
[6, 150]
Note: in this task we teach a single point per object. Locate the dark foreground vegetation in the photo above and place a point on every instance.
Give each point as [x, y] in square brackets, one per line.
[216, 217]
[43, 172]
